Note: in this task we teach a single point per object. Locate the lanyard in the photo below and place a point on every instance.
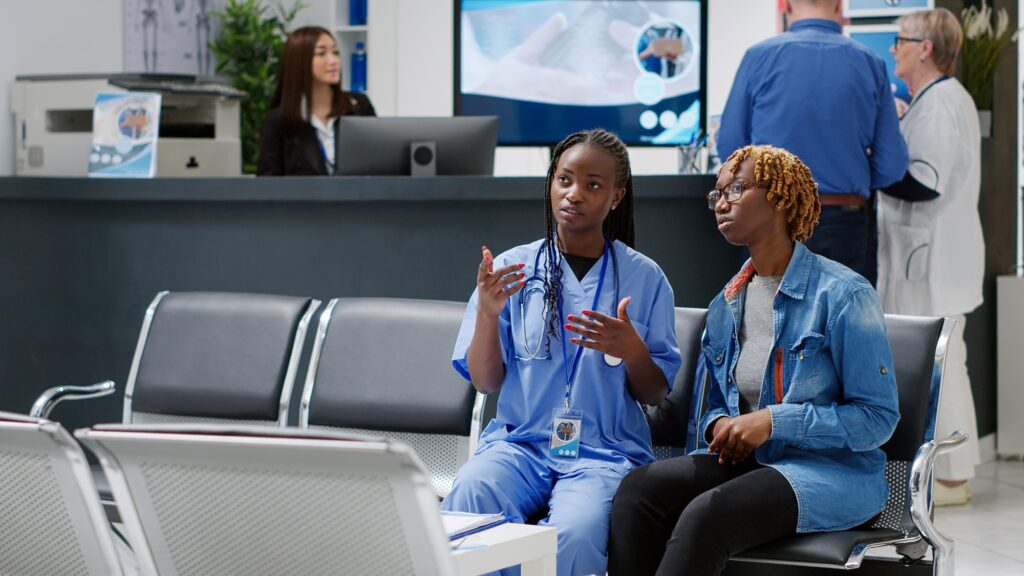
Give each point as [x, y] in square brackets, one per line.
[323, 154]
[922, 93]
[571, 373]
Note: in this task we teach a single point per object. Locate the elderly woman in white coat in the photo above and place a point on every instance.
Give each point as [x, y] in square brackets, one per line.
[931, 250]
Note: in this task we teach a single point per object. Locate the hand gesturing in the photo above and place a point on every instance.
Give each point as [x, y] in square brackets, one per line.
[614, 336]
[494, 287]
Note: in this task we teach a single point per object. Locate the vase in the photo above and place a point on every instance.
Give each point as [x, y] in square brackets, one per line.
[985, 123]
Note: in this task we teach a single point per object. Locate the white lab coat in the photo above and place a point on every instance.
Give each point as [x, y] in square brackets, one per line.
[931, 254]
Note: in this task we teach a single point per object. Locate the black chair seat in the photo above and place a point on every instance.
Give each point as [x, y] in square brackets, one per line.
[819, 548]
[106, 496]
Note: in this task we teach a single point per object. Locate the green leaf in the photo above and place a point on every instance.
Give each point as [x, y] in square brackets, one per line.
[248, 51]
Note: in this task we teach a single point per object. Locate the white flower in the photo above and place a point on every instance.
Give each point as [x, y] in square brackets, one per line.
[1002, 22]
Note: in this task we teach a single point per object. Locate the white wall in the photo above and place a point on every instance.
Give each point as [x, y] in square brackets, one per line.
[410, 75]
[53, 37]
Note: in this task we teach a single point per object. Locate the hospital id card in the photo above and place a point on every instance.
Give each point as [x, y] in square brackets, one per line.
[566, 427]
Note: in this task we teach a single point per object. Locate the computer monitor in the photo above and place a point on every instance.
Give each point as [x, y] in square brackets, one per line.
[452, 146]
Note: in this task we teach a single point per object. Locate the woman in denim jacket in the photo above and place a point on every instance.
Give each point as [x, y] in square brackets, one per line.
[802, 393]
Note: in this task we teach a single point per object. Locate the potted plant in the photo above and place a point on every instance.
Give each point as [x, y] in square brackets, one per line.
[983, 45]
[248, 51]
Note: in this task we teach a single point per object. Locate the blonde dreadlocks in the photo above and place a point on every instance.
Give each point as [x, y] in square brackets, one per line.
[789, 185]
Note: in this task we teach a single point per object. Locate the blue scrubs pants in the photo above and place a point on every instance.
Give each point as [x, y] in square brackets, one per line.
[517, 480]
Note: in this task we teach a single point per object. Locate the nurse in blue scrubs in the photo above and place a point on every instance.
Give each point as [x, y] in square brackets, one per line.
[576, 330]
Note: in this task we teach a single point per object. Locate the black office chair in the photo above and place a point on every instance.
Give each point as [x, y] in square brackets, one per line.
[382, 366]
[669, 418]
[217, 357]
[919, 351]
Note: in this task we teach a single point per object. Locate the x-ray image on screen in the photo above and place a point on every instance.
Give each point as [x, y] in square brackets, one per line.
[548, 68]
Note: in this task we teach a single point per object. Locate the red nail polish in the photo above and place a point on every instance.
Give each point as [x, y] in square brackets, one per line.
[570, 317]
[586, 312]
[568, 326]
[521, 265]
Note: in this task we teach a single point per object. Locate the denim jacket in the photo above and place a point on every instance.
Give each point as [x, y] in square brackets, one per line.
[829, 385]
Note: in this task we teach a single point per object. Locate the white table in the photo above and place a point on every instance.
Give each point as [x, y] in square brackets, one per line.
[532, 547]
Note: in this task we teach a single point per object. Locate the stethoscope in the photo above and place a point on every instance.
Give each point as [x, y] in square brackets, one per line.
[921, 162]
[537, 286]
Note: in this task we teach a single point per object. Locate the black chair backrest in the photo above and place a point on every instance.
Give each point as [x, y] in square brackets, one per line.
[217, 355]
[914, 341]
[668, 420]
[385, 364]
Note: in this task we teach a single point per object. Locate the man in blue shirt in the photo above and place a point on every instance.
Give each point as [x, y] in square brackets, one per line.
[826, 99]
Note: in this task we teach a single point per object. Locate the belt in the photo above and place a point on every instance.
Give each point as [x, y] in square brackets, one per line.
[842, 200]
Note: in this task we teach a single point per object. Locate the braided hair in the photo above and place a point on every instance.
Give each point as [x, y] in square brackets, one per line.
[789, 183]
[618, 224]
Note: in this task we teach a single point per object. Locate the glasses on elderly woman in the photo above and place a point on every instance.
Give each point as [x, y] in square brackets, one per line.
[731, 191]
[898, 39]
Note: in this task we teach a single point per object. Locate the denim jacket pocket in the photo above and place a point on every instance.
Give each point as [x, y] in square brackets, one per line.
[806, 363]
[716, 358]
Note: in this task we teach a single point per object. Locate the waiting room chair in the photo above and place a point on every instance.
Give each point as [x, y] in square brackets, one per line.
[214, 357]
[669, 418]
[217, 357]
[382, 366]
[919, 352]
[222, 499]
[51, 519]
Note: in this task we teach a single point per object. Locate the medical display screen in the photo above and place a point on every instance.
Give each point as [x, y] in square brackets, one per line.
[548, 68]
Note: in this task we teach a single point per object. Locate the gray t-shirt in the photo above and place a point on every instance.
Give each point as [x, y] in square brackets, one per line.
[757, 332]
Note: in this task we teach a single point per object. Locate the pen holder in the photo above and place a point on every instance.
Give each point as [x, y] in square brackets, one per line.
[693, 159]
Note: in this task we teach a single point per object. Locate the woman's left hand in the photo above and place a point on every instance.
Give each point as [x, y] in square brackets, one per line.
[614, 336]
[736, 439]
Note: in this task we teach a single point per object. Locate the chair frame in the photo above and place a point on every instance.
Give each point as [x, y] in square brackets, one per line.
[48, 400]
[476, 419]
[289, 378]
[913, 546]
[419, 499]
[81, 478]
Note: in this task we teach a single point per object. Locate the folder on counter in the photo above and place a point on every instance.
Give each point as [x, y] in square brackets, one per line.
[461, 524]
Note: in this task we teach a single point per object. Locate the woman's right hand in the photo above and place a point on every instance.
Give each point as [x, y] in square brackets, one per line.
[494, 287]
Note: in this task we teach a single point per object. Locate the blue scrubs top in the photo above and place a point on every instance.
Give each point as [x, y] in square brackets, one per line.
[614, 428]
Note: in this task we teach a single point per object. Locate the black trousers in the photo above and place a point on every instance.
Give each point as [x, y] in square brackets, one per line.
[848, 235]
[688, 515]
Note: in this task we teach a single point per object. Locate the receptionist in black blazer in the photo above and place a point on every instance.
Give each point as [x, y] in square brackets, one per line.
[300, 131]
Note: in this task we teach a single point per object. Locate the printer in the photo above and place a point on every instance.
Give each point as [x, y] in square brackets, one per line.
[198, 132]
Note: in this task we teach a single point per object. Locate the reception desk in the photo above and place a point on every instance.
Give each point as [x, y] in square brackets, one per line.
[83, 257]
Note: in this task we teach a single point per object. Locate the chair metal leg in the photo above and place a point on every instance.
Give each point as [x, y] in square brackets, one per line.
[920, 510]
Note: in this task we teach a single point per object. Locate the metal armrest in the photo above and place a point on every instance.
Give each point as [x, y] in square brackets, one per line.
[43, 405]
[920, 511]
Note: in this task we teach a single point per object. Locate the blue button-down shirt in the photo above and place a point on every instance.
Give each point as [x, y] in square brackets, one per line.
[829, 386]
[823, 97]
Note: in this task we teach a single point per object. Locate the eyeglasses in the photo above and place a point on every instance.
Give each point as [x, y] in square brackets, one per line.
[732, 192]
[898, 39]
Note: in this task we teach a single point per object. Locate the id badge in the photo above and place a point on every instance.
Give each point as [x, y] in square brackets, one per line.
[566, 427]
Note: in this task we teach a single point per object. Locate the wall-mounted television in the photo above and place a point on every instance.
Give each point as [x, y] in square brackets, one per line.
[548, 68]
